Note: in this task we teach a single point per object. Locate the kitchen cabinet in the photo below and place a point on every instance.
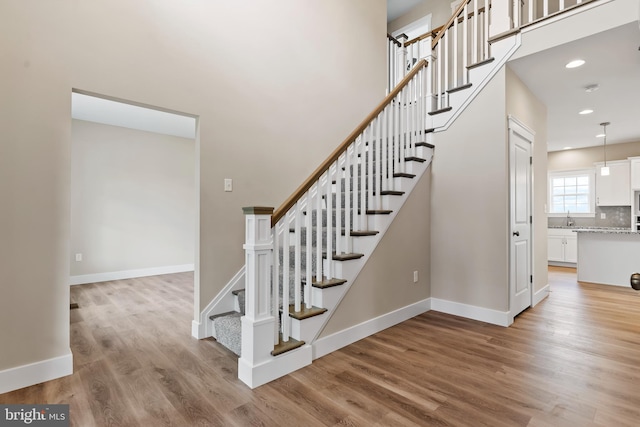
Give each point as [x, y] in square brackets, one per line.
[562, 245]
[635, 173]
[615, 188]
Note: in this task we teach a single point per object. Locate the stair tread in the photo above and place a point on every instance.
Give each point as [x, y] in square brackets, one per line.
[425, 144]
[228, 313]
[305, 313]
[346, 257]
[354, 233]
[326, 283]
[481, 63]
[391, 193]
[283, 347]
[378, 211]
[237, 291]
[403, 175]
[414, 159]
[459, 88]
[440, 111]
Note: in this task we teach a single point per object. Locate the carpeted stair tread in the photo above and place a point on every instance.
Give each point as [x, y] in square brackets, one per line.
[228, 331]
[215, 316]
[283, 347]
[304, 312]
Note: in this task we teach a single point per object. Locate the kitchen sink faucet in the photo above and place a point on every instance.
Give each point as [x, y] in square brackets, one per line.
[569, 219]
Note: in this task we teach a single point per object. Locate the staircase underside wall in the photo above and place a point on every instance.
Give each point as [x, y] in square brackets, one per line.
[469, 219]
[386, 282]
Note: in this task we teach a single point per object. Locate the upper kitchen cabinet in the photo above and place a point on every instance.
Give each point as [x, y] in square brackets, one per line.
[614, 189]
[635, 173]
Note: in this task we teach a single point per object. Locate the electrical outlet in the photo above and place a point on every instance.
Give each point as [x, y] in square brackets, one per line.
[78, 257]
[603, 215]
[228, 184]
[415, 277]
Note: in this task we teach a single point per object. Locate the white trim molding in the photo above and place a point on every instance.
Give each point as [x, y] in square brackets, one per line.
[129, 274]
[222, 303]
[540, 295]
[336, 341]
[487, 315]
[35, 373]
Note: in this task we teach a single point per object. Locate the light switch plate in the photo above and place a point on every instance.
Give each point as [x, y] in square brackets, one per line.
[603, 215]
[228, 184]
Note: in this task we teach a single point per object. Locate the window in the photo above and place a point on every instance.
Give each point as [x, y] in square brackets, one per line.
[572, 192]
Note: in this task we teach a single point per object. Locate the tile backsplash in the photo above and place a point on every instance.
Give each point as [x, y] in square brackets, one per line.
[617, 216]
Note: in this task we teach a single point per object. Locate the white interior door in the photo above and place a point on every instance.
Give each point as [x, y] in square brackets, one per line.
[520, 278]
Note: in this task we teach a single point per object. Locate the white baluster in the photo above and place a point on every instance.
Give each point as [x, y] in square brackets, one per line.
[561, 6]
[531, 18]
[297, 277]
[485, 39]
[545, 8]
[355, 223]
[318, 231]
[329, 203]
[369, 160]
[286, 265]
[384, 146]
[440, 68]
[445, 38]
[309, 250]
[465, 42]
[338, 233]
[347, 197]
[275, 288]
[455, 52]
[378, 164]
[474, 39]
[362, 165]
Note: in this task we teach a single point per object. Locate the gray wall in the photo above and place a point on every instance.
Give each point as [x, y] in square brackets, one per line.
[132, 199]
[276, 86]
[386, 281]
[440, 11]
[469, 213]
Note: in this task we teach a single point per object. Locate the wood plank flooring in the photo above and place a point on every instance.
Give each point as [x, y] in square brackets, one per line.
[573, 360]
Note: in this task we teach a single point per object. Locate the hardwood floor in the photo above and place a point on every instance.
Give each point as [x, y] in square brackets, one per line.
[573, 360]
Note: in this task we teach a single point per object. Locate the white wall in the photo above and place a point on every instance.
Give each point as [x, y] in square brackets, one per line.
[275, 86]
[523, 105]
[440, 11]
[132, 199]
[583, 158]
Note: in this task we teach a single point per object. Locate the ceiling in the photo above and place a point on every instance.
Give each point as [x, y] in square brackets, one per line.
[99, 110]
[396, 8]
[612, 62]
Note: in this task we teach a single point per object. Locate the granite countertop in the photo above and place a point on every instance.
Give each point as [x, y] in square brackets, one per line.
[606, 230]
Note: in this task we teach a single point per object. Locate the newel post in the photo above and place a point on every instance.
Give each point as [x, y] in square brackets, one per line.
[426, 52]
[258, 323]
[402, 58]
[500, 17]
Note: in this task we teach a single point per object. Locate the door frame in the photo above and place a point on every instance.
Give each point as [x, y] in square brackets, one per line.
[515, 126]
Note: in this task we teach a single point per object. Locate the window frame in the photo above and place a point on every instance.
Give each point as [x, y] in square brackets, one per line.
[591, 173]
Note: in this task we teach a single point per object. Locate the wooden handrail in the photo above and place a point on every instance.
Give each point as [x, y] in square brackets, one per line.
[460, 8]
[436, 31]
[293, 198]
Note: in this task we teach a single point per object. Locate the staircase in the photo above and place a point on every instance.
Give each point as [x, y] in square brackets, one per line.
[302, 258]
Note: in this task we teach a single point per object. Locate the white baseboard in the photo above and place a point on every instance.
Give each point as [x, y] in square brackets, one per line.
[495, 317]
[540, 295]
[274, 368]
[129, 274]
[333, 342]
[223, 302]
[36, 373]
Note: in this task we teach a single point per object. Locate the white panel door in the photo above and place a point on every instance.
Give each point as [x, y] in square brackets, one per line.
[520, 278]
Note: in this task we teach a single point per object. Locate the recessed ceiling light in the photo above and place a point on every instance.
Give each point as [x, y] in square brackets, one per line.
[575, 63]
[600, 135]
[567, 148]
[587, 111]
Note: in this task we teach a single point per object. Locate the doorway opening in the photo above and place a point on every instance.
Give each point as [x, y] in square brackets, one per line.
[134, 191]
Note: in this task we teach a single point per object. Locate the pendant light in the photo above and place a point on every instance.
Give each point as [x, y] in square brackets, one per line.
[604, 171]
